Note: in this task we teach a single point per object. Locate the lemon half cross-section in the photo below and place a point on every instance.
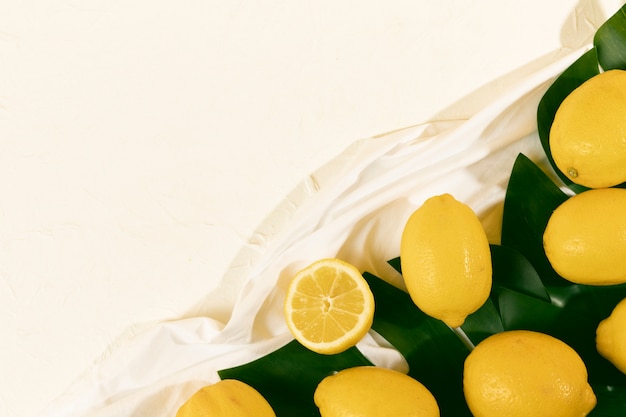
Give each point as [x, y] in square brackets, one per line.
[329, 306]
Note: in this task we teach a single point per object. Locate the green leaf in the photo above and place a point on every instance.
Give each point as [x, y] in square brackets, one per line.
[287, 377]
[395, 264]
[482, 323]
[521, 311]
[510, 271]
[597, 302]
[526, 214]
[434, 352]
[580, 71]
[610, 41]
[513, 271]
[611, 401]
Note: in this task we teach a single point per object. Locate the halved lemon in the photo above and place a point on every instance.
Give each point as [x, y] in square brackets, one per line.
[329, 306]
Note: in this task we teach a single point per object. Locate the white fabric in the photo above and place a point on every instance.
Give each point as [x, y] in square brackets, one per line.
[353, 208]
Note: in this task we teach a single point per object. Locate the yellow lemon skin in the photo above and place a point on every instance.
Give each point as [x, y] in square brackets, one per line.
[522, 373]
[370, 391]
[611, 337]
[226, 398]
[588, 136]
[445, 259]
[585, 238]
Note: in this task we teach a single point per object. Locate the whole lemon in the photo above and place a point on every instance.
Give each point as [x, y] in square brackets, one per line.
[370, 391]
[446, 260]
[522, 373]
[585, 238]
[588, 136]
[611, 337]
[226, 398]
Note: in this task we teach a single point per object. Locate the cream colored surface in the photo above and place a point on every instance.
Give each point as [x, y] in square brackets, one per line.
[145, 145]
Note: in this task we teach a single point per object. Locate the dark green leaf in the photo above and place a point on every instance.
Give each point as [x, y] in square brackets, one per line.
[521, 311]
[597, 302]
[287, 377]
[530, 199]
[395, 263]
[510, 271]
[434, 352]
[513, 271]
[611, 401]
[483, 323]
[610, 41]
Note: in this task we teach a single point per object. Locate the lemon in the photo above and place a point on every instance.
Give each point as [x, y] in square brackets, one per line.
[522, 373]
[445, 259]
[370, 391]
[226, 398]
[585, 238]
[611, 337]
[329, 306]
[588, 136]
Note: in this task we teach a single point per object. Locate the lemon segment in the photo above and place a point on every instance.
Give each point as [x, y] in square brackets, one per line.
[226, 398]
[611, 337]
[446, 260]
[588, 135]
[369, 391]
[329, 306]
[585, 238]
[522, 373]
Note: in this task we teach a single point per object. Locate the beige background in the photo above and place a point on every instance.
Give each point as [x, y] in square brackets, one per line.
[142, 142]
